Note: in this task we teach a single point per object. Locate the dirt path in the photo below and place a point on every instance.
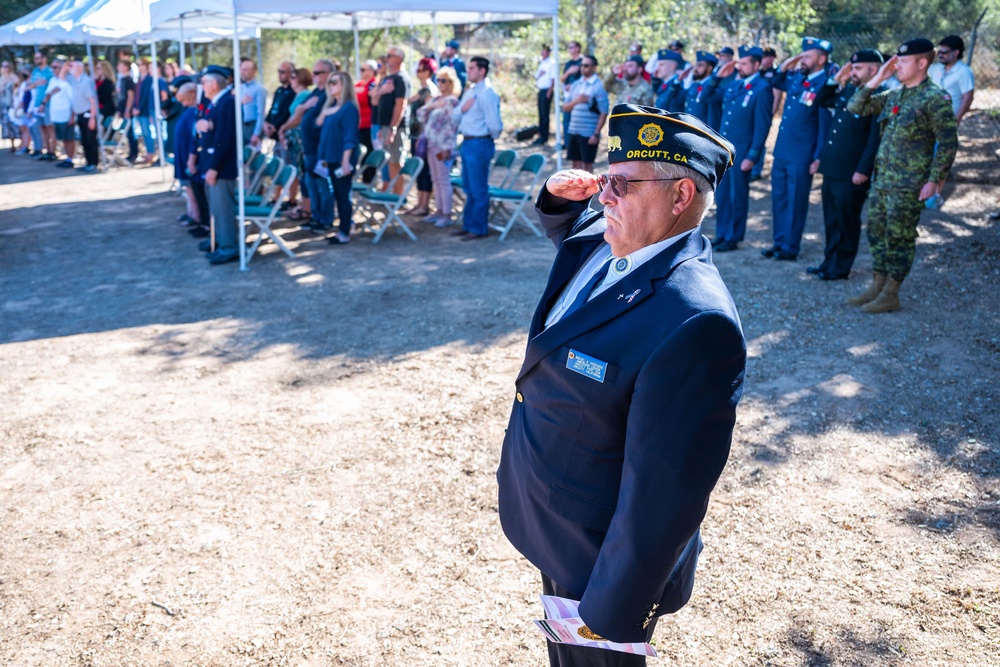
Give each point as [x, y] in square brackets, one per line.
[295, 465]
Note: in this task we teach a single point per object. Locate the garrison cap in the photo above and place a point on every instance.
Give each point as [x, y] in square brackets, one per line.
[667, 54]
[636, 59]
[752, 51]
[224, 72]
[453, 43]
[647, 134]
[868, 56]
[915, 47]
[728, 50]
[705, 56]
[811, 43]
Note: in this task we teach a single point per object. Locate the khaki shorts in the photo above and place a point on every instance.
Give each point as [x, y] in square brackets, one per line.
[395, 149]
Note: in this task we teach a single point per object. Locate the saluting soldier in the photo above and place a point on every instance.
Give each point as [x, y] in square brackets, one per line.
[670, 73]
[801, 135]
[914, 118]
[723, 56]
[746, 120]
[846, 163]
[692, 88]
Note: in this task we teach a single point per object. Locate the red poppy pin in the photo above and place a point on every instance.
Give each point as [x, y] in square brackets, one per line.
[895, 110]
[805, 84]
[699, 89]
[748, 86]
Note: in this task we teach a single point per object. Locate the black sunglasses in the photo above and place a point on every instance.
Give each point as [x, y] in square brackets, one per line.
[322, 71]
[619, 184]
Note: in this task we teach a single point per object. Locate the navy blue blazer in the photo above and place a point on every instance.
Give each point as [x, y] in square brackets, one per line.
[603, 484]
[853, 141]
[746, 115]
[804, 123]
[219, 143]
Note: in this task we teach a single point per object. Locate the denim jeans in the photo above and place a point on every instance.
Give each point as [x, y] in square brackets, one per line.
[147, 125]
[341, 196]
[477, 155]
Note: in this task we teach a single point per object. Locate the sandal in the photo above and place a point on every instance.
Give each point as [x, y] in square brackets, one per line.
[297, 214]
[418, 212]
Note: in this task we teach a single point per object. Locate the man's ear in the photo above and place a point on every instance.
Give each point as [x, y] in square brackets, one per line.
[686, 192]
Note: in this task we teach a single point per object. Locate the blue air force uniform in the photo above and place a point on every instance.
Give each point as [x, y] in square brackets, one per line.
[801, 136]
[746, 120]
[850, 148]
[695, 99]
[624, 407]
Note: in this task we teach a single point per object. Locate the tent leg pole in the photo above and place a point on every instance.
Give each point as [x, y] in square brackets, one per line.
[557, 94]
[357, 48]
[240, 194]
[156, 112]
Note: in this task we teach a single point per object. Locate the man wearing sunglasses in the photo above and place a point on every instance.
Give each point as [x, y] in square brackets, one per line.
[953, 75]
[624, 407]
[281, 103]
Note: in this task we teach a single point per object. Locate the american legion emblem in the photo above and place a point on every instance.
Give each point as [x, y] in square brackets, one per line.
[650, 135]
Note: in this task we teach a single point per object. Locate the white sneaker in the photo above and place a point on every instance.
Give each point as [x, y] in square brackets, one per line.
[443, 222]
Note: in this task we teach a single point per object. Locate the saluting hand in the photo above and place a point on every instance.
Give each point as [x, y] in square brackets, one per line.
[790, 63]
[726, 69]
[883, 74]
[843, 75]
[573, 184]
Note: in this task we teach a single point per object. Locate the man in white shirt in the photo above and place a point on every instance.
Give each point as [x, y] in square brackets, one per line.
[950, 73]
[545, 79]
[58, 101]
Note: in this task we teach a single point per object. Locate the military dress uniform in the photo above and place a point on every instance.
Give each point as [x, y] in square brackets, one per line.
[850, 148]
[767, 74]
[801, 137]
[919, 144]
[695, 98]
[746, 120]
[624, 406]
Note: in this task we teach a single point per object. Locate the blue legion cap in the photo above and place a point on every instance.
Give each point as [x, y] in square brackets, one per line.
[728, 50]
[707, 57]
[220, 70]
[752, 51]
[647, 134]
[811, 43]
[636, 59]
[453, 43]
[667, 54]
[867, 56]
[915, 46]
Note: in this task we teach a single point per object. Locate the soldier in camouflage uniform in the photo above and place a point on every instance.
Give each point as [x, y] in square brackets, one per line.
[908, 167]
[631, 88]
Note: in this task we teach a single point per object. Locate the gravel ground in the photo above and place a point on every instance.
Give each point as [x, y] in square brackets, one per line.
[295, 465]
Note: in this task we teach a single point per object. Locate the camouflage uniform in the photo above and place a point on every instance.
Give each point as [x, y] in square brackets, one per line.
[912, 120]
[641, 93]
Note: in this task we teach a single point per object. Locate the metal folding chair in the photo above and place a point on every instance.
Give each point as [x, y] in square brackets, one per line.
[374, 160]
[264, 216]
[519, 198]
[254, 171]
[114, 145]
[390, 201]
[256, 196]
[500, 172]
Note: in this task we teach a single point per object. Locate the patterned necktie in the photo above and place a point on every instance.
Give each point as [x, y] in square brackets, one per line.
[584, 294]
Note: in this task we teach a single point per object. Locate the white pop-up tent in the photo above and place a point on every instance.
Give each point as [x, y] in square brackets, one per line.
[91, 22]
[319, 15]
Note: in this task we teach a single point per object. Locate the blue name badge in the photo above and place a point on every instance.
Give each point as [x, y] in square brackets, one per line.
[580, 363]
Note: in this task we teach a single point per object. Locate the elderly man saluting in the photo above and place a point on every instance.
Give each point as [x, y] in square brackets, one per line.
[625, 404]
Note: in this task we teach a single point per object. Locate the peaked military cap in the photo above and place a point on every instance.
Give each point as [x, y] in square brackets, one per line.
[752, 51]
[728, 50]
[811, 43]
[224, 72]
[868, 56]
[453, 43]
[915, 46]
[667, 54]
[647, 134]
[707, 57]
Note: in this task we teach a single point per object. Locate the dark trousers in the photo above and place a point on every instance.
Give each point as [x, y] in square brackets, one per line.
[424, 183]
[341, 196]
[732, 204]
[133, 144]
[201, 200]
[790, 185]
[842, 204]
[88, 139]
[544, 111]
[564, 655]
[365, 138]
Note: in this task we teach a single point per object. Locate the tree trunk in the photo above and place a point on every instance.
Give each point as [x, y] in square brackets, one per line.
[590, 9]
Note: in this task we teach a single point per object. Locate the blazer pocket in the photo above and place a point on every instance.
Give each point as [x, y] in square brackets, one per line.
[587, 513]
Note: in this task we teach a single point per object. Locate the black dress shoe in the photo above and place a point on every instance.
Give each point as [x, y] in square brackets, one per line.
[769, 252]
[205, 245]
[223, 256]
[815, 270]
[785, 256]
[198, 232]
[458, 232]
[728, 246]
[826, 275]
[716, 242]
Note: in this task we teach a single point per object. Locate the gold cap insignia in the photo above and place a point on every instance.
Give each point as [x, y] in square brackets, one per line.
[650, 135]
